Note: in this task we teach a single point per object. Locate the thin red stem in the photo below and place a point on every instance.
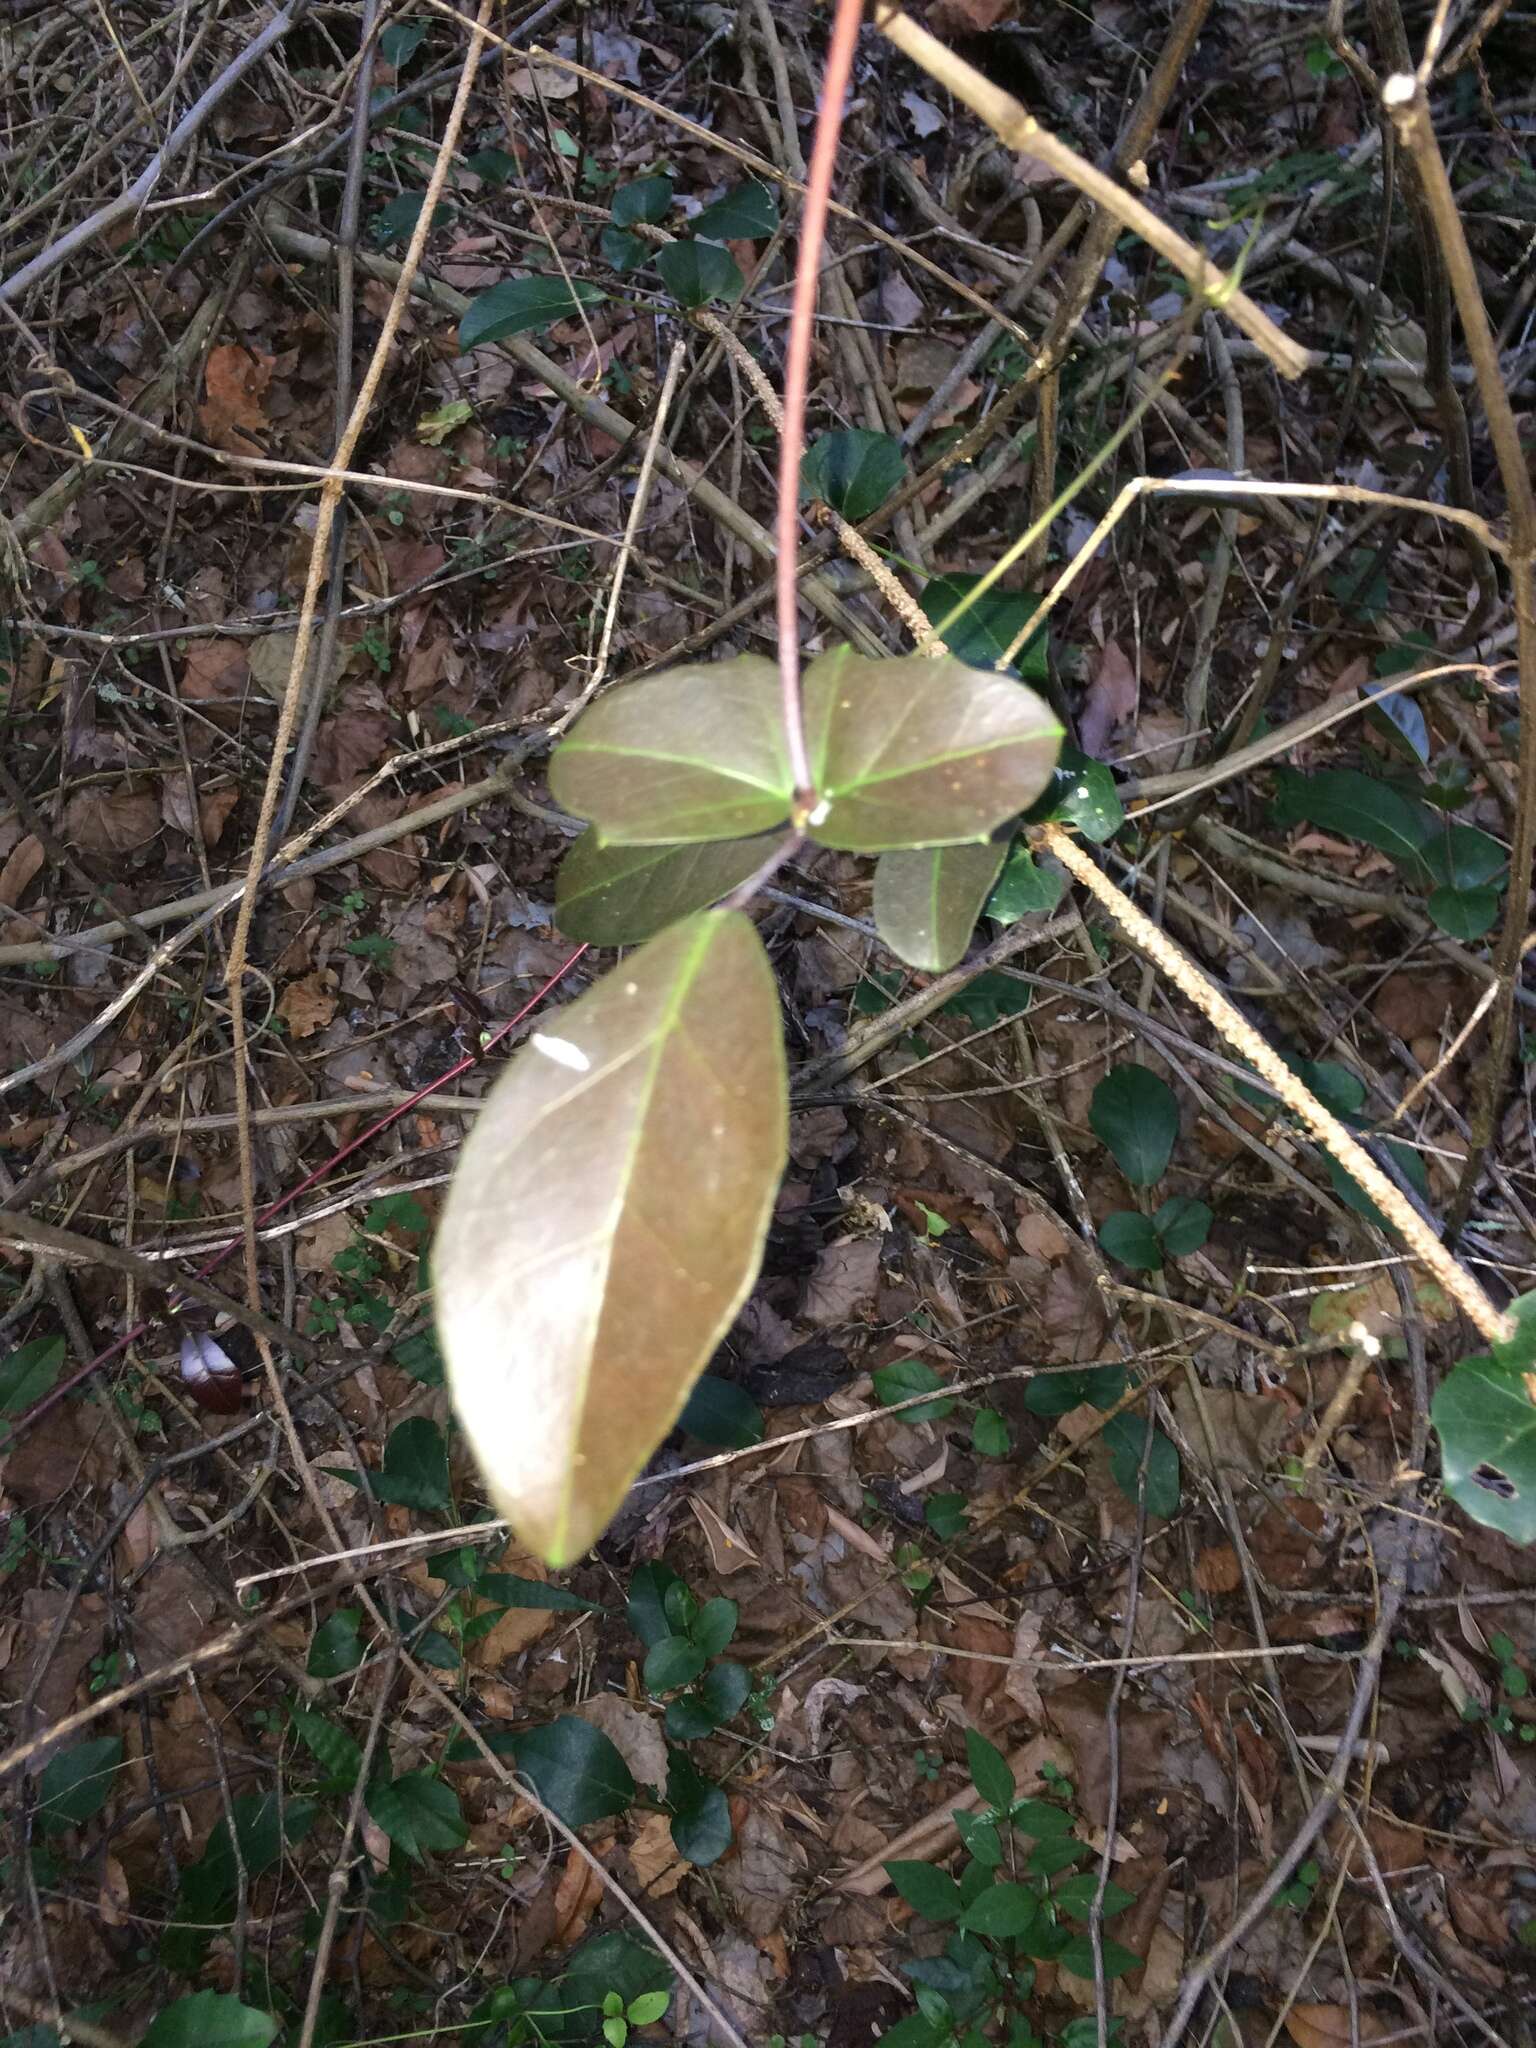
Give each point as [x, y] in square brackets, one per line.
[216, 1259]
[797, 372]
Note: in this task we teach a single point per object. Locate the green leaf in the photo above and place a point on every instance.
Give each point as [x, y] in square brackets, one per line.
[1183, 1224]
[1056, 1852]
[415, 1471]
[1125, 1436]
[903, 1378]
[1040, 1820]
[495, 166]
[575, 1770]
[418, 1812]
[719, 1697]
[338, 1755]
[1077, 1895]
[723, 1415]
[988, 998]
[646, 1608]
[1357, 806]
[1077, 1957]
[674, 1662]
[927, 902]
[642, 199]
[696, 272]
[854, 471]
[401, 40]
[397, 221]
[623, 250]
[1058, 1393]
[619, 895]
[523, 305]
[1485, 1416]
[510, 1589]
[1130, 1238]
[606, 1223]
[928, 1891]
[990, 1436]
[920, 752]
[746, 213]
[28, 1373]
[1354, 1196]
[945, 1515]
[1398, 717]
[991, 1773]
[337, 1647]
[1136, 1114]
[210, 2019]
[76, 1784]
[1081, 793]
[1001, 1912]
[989, 625]
[1464, 913]
[1024, 888]
[701, 1813]
[695, 754]
[715, 1625]
[1518, 1351]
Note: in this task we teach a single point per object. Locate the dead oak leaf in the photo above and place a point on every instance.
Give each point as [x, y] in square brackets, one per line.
[23, 865]
[308, 1004]
[233, 410]
[1331, 2026]
[115, 821]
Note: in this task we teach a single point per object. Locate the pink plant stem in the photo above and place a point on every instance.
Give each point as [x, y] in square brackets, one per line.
[216, 1259]
[797, 370]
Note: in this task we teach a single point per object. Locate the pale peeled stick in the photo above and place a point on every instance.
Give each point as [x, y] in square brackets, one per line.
[606, 1222]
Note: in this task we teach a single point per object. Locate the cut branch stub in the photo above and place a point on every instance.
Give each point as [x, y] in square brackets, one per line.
[927, 902]
[918, 752]
[606, 1222]
[619, 895]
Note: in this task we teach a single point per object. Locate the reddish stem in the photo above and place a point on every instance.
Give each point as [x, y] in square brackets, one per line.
[797, 369]
[216, 1259]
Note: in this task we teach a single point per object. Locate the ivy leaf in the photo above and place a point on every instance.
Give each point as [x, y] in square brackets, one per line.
[695, 754]
[1058, 1393]
[903, 1378]
[27, 1374]
[1136, 1114]
[619, 895]
[623, 250]
[988, 626]
[696, 272]
[1082, 794]
[337, 1647]
[917, 752]
[1126, 1435]
[642, 199]
[399, 42]
[927, 902]
[415, 1471]
[646, 1607]
[606, 1222]
[1024, 888]
[719, 1697]
[523, 305]
[575, 1770]
[76, 1784]
[746, 213]
[1129, 1237]
[1485, 1415]
[672, 1663]
[854, 471]
[1460, 857]
[418, 1812]
[210, 2019]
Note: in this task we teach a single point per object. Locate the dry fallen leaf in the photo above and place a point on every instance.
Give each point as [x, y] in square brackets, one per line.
[728, 1551]
[308, 1004]
[21, 869]
[111, 821]
[636, 1737]
[658, 1867]
[1330, 2026]
[576, 1898]
[232, 412]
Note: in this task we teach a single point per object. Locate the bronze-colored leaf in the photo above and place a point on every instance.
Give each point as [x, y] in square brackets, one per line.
[697, 753]
[606, 1222]
[915, 752]
[619, 895]
[927, 902]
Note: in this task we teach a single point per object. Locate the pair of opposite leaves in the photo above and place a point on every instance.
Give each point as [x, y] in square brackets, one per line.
[607, 1215]
[685, 778]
